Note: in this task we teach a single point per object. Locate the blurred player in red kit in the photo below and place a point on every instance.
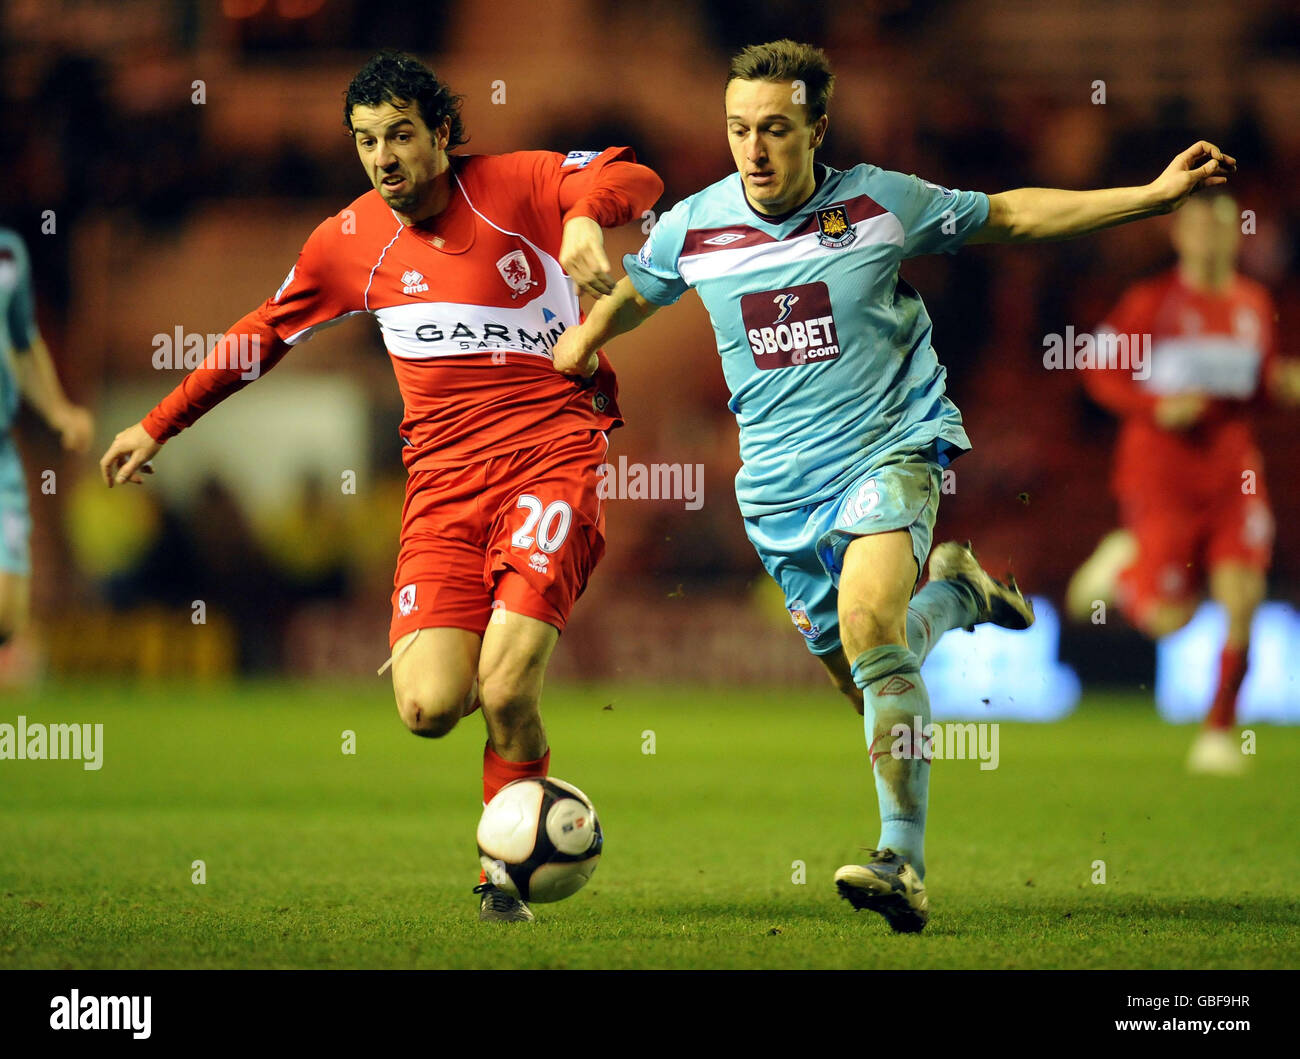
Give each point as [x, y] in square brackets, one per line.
[463, 261]
[1189, 476]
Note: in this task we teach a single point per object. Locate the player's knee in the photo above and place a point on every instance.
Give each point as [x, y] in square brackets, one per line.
[509, 698]
[432, 712]
[864, 626]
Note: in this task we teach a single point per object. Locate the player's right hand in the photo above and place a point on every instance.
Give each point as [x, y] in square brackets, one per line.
[128, 456]
[571, 355]
[1180, 411]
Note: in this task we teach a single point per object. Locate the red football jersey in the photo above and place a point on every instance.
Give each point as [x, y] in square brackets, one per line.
[1218, 344]
[470, 304]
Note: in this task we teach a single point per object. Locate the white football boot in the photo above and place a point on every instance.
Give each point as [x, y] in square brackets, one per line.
[1216, 752]
[889, 885]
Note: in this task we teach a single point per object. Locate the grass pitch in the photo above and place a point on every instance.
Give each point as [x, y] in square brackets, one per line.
[316, 858]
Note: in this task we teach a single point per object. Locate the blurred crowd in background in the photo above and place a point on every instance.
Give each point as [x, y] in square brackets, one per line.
[187, 149]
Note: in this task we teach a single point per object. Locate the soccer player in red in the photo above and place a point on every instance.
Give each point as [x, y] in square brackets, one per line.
[1188, 474]
[463, 260]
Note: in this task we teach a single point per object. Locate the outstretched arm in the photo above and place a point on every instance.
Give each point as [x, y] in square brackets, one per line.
[1029, 215]
[38, 382]
[611, 316]
[250, 348]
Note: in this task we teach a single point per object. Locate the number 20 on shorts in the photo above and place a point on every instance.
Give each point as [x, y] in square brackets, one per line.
[547, 524]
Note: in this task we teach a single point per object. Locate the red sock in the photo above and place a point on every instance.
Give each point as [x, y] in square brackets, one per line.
[497, 772]
[1232, 670]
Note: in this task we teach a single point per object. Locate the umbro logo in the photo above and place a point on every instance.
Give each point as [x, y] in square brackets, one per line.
[413, 282]
[895, 685]
[724, 239]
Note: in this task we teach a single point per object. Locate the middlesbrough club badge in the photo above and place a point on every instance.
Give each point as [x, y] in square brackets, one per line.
[515, 271]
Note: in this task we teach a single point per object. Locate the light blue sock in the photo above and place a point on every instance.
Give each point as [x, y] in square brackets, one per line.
[893, 695]
[938, 607]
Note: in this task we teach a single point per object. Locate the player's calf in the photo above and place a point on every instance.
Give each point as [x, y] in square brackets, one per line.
[841, 675]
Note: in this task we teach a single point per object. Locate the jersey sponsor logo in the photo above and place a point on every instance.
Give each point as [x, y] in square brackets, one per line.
[805, 624]
[515, 271]
[790, 327]
[466, 337]
[413, 282]
[724, 239]
[1215, 365]
[833, 227]
[786, 303]
[406, 600]
[579, 159]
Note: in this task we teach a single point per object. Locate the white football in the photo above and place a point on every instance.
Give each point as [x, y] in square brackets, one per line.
[539, 839]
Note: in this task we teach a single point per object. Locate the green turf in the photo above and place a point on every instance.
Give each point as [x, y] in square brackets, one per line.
[318, 859]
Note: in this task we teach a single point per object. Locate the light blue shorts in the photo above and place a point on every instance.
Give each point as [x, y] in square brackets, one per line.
[15, 518]
[803, 549]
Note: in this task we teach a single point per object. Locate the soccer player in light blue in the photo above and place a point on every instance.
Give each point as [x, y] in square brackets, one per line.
[844, 426]
[26, 371]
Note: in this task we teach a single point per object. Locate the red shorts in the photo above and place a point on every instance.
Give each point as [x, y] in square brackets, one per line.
[521, 531]
[1182, 533]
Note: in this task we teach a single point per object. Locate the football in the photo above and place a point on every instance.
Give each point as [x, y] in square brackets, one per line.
[539, 839]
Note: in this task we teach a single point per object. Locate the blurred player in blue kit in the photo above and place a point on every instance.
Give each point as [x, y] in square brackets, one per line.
[839, 396]
[26, 372]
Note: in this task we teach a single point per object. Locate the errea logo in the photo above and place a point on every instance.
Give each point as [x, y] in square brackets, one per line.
[413, 282]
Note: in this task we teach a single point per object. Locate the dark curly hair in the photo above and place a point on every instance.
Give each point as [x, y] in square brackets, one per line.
[398, 78]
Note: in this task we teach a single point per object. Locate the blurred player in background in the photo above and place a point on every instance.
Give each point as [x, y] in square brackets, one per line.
[26, 372]
[844, 426]
[462, 260]
[1189, 476]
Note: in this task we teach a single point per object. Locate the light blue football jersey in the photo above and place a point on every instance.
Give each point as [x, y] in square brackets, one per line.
[17, 318]
[825, 349]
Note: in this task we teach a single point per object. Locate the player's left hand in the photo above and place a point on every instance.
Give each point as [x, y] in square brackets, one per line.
[582, 256]
[74, 426]
[1202, 165]
[571, 355]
